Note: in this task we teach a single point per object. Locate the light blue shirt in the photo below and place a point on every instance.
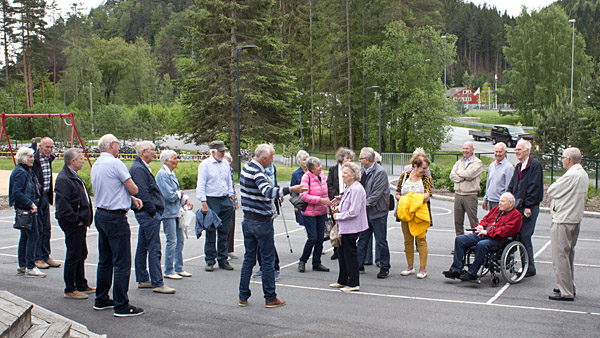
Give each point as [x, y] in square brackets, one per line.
[498, 180]
[108, 175]
[214, 179]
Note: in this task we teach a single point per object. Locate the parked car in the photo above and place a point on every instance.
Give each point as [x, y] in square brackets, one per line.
[481, 135]
[508, 134]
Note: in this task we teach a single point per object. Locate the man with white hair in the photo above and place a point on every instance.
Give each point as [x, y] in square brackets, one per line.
[214, 190]
[466, 175]
[527, 184]
[498, 177]
[149, 218]
[113, 192]
[568, 195]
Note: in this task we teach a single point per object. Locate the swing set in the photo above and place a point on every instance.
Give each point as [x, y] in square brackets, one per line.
[74, 131]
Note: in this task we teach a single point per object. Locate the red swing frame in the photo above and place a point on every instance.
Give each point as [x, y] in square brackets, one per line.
[69, 115]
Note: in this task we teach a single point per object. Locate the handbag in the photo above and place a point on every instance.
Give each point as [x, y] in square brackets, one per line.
[186, 219]
[329, 224]
[298, 202]
[335, 237]
[392, 205]
[23, 219]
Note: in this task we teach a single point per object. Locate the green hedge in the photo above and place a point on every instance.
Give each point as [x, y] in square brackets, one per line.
[441, 178]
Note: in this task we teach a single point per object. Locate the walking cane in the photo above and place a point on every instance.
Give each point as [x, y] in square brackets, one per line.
[287, 234]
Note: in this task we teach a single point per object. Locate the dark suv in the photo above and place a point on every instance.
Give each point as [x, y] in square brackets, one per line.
[508, 134]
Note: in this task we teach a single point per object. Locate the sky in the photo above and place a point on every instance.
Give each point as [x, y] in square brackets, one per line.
[513, 7]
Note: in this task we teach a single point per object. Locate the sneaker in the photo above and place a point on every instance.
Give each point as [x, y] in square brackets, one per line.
[174, 276]
[383, 273]
[257, 274]
[76, 295]
[301, 266]
[277, 276]
[88, 290]
[232, 256]
[184, 274]
[225, 266]
[407, 272]
[275, 303]
[242, 303]
[320, 267]
[35, 272]
[40, 264]
[52, 263]
[144, 285]
[132, 311]
[350, 288]
[21, 270]
[209, 267]
[361, 269]
[164, 289]
[99, 306]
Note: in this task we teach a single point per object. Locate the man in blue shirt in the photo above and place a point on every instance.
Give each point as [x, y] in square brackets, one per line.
[114, 190]
[498, 177]
[214, 190]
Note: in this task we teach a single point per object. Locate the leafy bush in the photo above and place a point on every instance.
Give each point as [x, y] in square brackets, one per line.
[187, 176]
[441, 178]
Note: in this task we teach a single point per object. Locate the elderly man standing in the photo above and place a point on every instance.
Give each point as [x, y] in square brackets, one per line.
[258, 193]
[527, 185]
[377, 187]
[42, 168]
[498, 177]
[149, 218]
[568, 195]
[113, 191]
[215, 192]
[466, 175]
[74, 214]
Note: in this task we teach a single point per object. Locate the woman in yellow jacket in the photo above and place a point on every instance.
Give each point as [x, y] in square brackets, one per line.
[418, 182]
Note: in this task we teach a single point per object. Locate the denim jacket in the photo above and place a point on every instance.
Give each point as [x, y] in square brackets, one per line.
[22, 190]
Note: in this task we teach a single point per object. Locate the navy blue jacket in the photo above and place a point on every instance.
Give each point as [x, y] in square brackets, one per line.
[22, 190]
[527, 186]
[73, 204]
[37, 170]
[148, 190]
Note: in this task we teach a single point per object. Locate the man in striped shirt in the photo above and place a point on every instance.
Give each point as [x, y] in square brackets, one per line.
[258, 193]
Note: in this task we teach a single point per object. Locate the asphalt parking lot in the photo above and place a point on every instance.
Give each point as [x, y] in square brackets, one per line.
[205, 304]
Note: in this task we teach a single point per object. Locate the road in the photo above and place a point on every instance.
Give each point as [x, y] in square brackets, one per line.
[460, 135]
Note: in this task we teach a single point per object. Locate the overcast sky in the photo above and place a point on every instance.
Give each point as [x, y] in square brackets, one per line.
[513, 7]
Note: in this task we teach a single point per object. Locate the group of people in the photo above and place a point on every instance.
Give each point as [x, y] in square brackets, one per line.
[358, 198]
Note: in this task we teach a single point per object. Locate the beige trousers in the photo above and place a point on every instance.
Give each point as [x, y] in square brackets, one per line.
[564, 237]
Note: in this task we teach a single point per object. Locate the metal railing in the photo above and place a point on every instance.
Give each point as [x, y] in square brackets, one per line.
[126, 157]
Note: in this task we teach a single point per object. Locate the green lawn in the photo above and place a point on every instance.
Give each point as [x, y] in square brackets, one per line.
[492, 117]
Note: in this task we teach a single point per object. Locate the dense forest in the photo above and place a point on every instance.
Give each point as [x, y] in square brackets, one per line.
[152, 67]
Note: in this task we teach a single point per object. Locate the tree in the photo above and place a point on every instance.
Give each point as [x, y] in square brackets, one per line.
[7, 27]
[539, 52]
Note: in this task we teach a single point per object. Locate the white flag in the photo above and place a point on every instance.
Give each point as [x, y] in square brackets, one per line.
[496, 77]
[477, 92]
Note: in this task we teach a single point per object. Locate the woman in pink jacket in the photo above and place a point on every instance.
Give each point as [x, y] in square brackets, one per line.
[315, 214]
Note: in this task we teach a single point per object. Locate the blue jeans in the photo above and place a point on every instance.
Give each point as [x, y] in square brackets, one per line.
[369, 258]
[44, 228]
[258, 236]
[527, 228]
[148, 248]
[482, 246]
[174, 249]
[377, 226]
[315, 229]
[27, 246]
[215, 244]
[114, 251]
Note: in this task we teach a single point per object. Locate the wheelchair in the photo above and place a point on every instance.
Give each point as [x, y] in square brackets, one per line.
[509, 259]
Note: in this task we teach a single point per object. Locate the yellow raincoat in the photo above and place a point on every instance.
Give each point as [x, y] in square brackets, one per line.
[411, 209]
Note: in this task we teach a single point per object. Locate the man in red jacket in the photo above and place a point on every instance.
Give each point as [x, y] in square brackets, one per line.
[502, 221]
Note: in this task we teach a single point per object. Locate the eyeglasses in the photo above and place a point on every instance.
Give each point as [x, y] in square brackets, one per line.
[563, 157]
[362, 158]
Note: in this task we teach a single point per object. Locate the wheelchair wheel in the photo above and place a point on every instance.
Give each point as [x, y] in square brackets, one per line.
[495, 281]
[514, 262]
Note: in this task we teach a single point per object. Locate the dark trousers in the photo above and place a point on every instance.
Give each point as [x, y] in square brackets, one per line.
[276, 259]
[230, 239]
[348, 261]
[114, 251]
[258, 237]
[377, 226]
[44, 230]
[74, 272]
[527, 229]
[26, 253]
[148, 249]
[215, 244]
[482, 246]
[315, 230]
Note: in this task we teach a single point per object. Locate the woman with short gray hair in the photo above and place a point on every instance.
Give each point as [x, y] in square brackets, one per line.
[297, 177]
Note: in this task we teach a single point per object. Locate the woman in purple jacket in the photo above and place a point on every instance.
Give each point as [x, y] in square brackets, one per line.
[352, 219]
[315, 214]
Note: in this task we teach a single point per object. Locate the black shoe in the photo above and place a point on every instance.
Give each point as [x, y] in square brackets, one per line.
[320, 267]
[130, 312]
[361, 269]
[383, 273]
[558, 296]
[334, 256]
[530, 273]
[558, 291]
[104, 305]
[369, 263]
[225, 266]
[301, 266]
[451, 274]
[467, 277]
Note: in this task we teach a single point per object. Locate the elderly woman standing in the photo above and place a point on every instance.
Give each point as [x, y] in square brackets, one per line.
[335, 183]
[315, 214]
[352, 219]
[415, 181]
[301, 157]
[24, 194]
[168, 184]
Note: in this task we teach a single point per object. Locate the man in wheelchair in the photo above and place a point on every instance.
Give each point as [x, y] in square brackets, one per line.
[502, 221]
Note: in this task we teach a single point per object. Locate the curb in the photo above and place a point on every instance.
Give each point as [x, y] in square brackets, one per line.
[590, 214]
